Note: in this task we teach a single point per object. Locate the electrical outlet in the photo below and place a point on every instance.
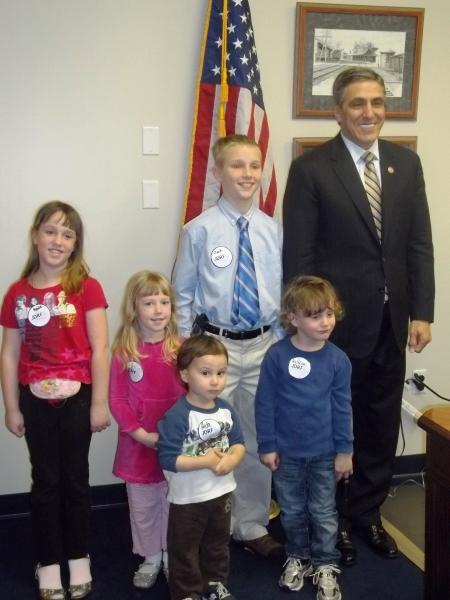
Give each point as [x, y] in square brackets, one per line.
[419, 373]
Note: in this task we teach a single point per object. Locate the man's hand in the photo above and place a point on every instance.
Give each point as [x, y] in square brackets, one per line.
[419, 335]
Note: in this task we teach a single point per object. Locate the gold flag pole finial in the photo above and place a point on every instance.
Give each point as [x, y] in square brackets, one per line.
[223, 73]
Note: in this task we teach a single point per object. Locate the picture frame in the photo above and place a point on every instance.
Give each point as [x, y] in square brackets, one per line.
[332, 37]
[301, 145]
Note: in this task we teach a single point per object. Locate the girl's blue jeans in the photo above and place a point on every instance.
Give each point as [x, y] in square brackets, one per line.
[305, 489]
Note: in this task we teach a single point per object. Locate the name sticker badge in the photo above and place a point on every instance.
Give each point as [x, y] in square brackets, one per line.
[208, 428]
[299, 367]
[221, 257]
[39, 315]
[135, 371]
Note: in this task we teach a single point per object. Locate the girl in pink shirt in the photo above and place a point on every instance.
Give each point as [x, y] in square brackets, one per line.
[144, 384]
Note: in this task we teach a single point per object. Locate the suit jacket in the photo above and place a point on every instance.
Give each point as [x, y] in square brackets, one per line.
[329, 232]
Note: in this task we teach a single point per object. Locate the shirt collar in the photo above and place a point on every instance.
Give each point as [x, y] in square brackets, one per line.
[357, 152]
[231, 213]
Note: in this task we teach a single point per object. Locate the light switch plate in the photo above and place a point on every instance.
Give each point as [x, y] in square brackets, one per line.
[150, 194]
[150, 140]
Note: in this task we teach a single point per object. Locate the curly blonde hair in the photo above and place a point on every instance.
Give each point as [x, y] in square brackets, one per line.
[311, 295]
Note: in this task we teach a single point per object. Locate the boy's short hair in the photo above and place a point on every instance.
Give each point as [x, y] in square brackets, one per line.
[223, 143]
[311, 295]
[197, 346]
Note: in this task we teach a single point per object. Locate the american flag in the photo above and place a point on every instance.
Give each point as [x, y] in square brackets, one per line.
[244, 111]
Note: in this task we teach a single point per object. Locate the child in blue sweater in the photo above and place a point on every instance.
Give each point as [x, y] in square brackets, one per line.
[304, 431]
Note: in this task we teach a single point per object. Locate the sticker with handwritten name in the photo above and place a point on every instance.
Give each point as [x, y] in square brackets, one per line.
[221, 257]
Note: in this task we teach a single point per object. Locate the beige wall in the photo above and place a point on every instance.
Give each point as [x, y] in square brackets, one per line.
[79, 80]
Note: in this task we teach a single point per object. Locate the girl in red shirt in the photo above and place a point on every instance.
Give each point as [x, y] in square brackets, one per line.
[54, 367]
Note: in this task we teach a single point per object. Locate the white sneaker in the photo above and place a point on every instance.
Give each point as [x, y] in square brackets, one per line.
[293, 574]
[217, 591]
[325, 577]
[146, 575]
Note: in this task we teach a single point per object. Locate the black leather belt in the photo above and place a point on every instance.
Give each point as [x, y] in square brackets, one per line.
[235, 335]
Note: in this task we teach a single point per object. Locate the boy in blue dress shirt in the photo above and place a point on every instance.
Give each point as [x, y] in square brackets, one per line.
[227, 282]
[304, 431]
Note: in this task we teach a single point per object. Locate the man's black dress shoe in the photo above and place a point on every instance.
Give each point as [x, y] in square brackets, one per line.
[381, 541]
[265, 547]
[346, 547]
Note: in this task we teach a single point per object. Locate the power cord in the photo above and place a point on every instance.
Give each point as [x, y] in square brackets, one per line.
[403, 436]
[419, 382]
[392, 494]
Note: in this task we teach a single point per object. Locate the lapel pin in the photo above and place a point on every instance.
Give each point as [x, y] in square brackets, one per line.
[390, 170]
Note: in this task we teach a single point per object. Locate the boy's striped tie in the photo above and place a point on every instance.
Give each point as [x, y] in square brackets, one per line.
[245, 306]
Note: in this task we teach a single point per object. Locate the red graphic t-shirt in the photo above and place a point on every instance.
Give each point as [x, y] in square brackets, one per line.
[52, 325]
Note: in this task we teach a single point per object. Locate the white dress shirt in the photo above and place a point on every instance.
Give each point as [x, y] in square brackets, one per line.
[357, 154]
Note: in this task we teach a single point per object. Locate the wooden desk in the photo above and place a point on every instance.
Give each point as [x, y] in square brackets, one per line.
[436, 422]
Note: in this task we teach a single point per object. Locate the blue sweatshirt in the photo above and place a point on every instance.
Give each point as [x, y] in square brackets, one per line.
[303, 401]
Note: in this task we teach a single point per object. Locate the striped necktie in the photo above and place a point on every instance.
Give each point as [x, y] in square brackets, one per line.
[373, 190]
[245, 306]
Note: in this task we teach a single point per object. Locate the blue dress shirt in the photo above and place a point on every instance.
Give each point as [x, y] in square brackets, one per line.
[207, 260]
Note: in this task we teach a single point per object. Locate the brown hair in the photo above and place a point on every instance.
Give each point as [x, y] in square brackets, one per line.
[351, 75]
[197, 346]
[310, 295]
[126, 341]
[76, 270]
[222, 144]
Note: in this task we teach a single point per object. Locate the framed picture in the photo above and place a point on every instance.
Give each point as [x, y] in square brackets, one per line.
[301, 145]
[332, 37]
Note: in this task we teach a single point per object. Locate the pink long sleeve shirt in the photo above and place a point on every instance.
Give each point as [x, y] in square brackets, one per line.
[139, 396]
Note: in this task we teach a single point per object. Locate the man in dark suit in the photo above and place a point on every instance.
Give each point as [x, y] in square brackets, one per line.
[380, 258]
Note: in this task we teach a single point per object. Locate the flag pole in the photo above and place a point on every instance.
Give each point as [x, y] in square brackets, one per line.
[223, 72]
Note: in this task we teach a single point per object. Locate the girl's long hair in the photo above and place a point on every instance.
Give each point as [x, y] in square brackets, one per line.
[76, 270]
[127, 341]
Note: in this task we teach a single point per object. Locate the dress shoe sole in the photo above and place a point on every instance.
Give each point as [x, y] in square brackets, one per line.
[277, 554]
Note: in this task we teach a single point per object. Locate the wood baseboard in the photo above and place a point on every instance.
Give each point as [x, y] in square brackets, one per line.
[406, 546]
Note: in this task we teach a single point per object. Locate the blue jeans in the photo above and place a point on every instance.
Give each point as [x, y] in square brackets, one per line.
[305, 489]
